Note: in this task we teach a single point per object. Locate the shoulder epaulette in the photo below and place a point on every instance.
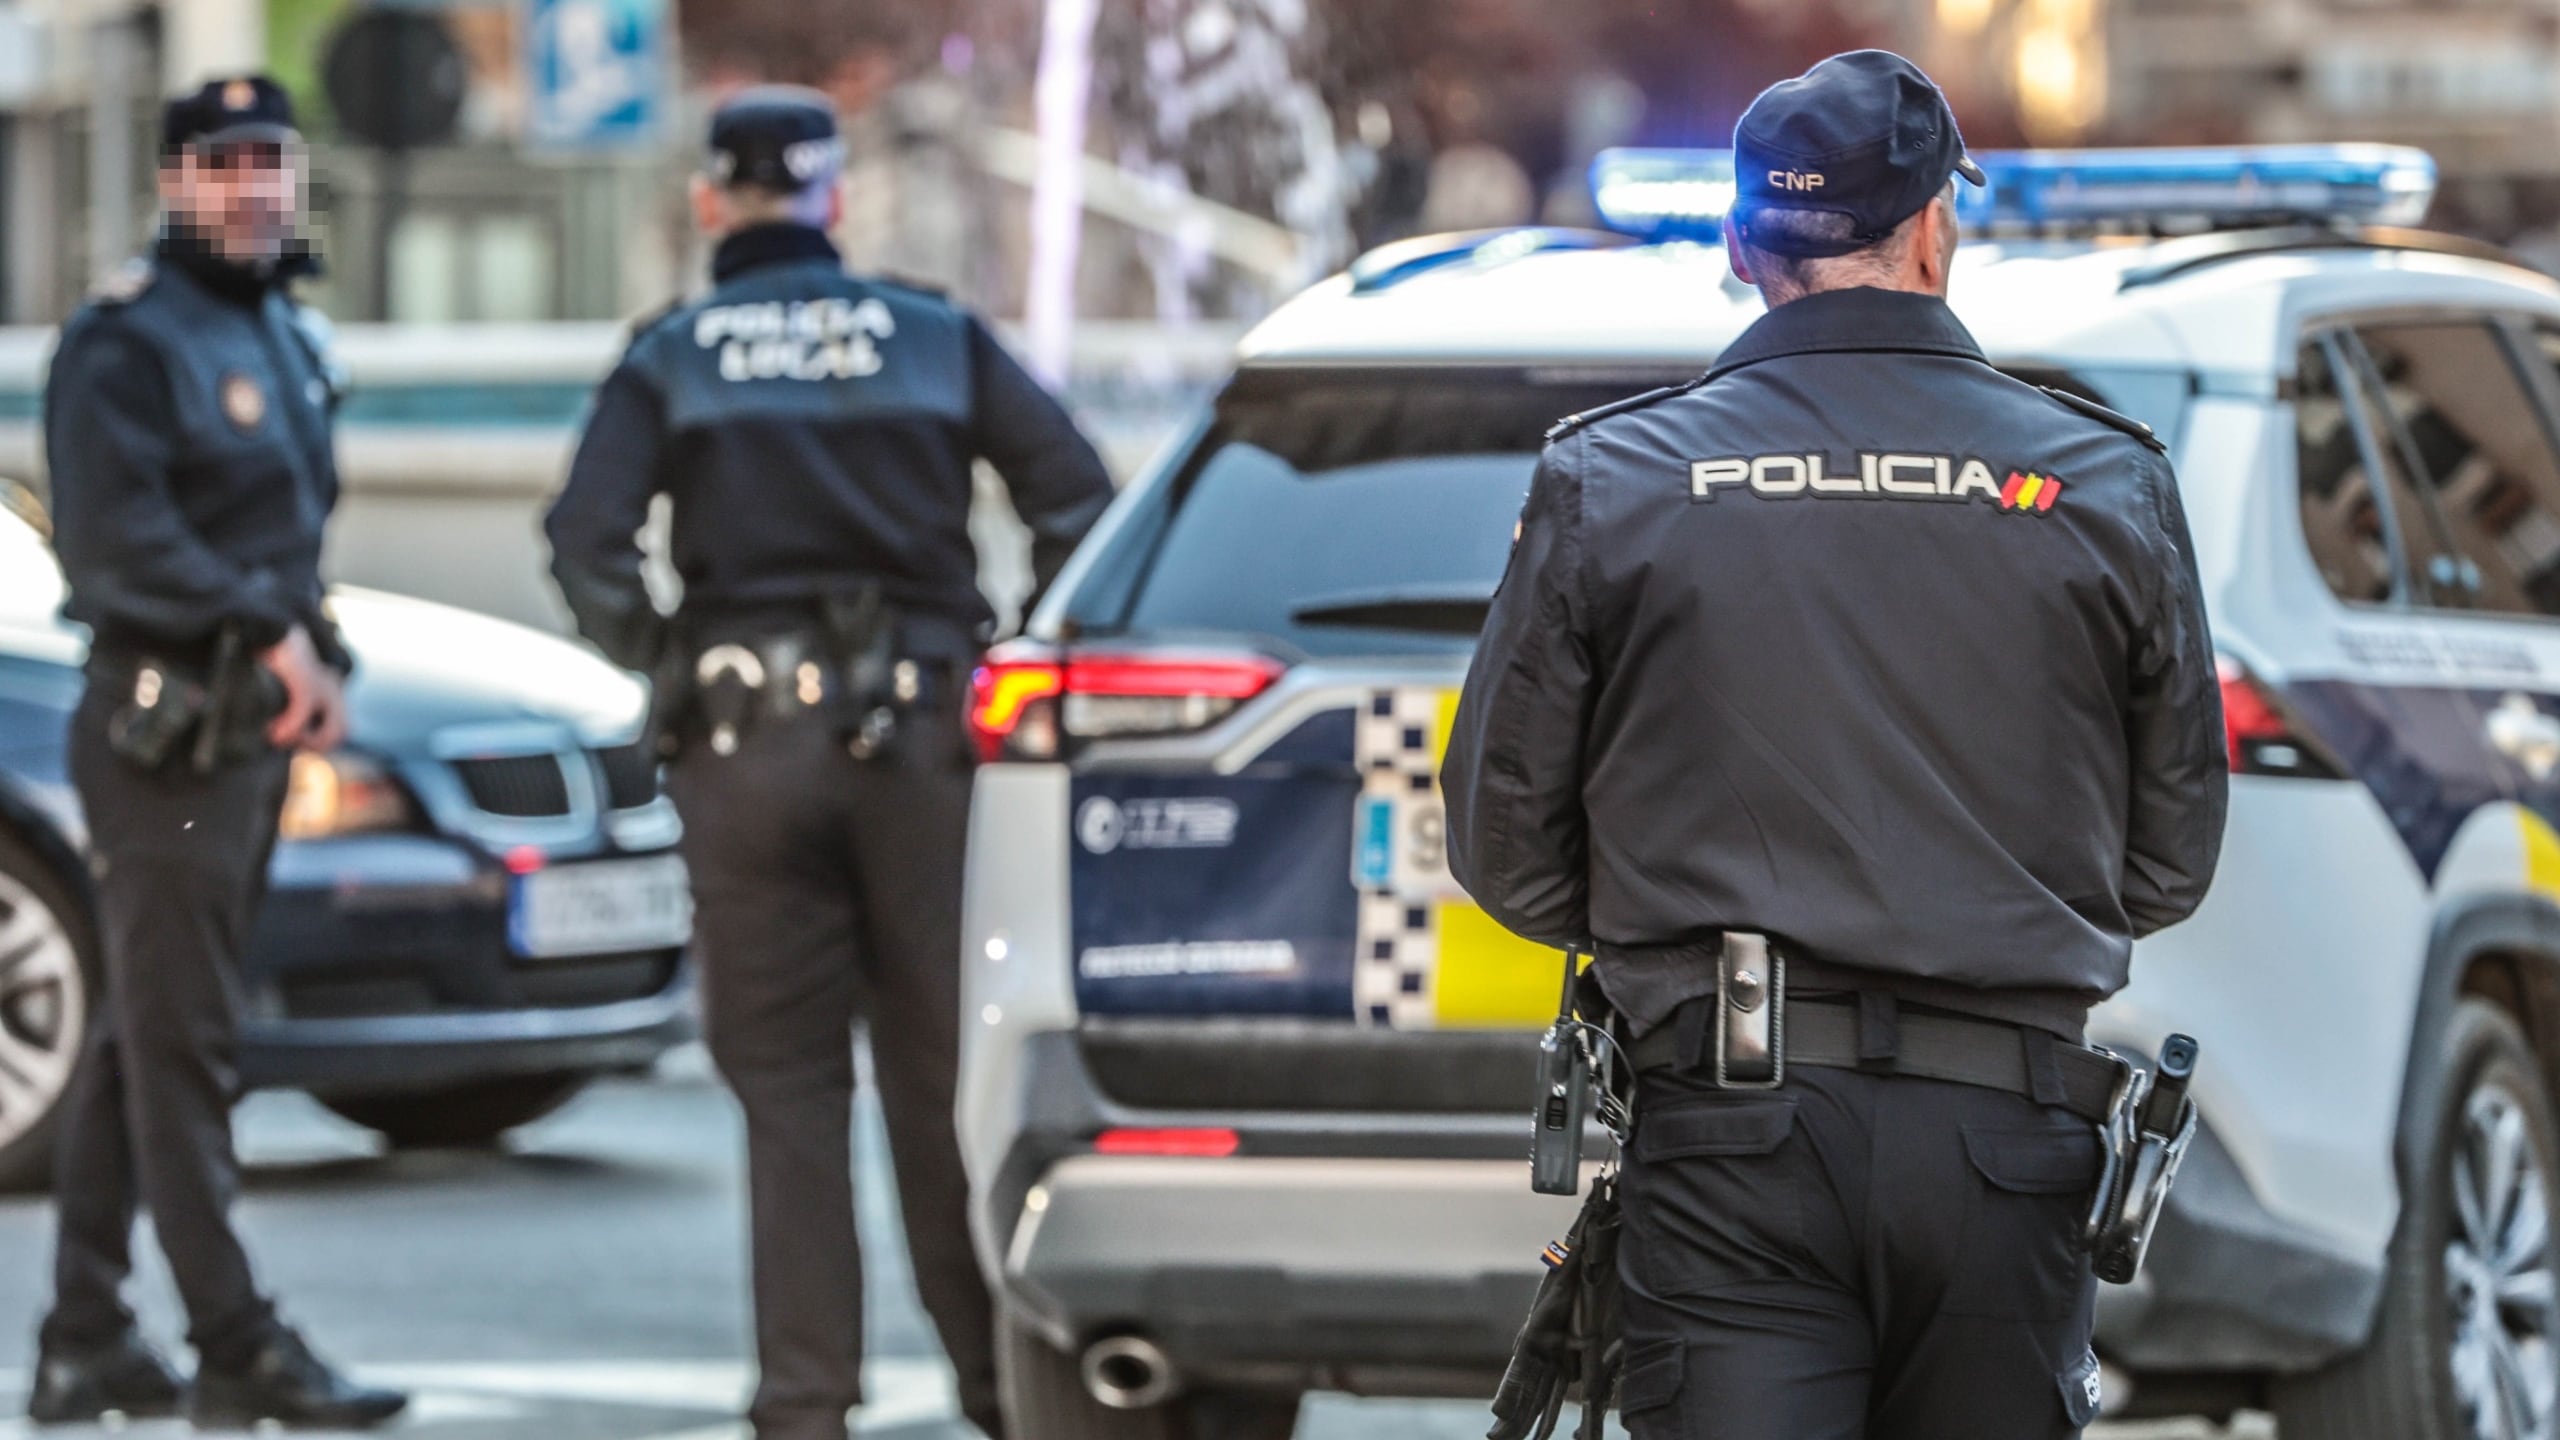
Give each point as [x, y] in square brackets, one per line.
[920, 287]
[126, 282]
[1571, 423]
[2105, 416]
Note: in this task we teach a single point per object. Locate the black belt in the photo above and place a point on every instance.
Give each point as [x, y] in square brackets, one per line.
[1987, 1053]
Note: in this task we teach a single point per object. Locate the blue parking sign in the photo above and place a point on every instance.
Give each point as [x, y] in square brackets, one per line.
[596, 71]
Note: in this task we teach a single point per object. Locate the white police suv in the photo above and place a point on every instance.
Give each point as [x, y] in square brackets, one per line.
[1245, 1078]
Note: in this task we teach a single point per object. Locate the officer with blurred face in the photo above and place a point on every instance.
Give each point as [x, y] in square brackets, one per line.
[187, 433]
[1855, 703]
[815, 433]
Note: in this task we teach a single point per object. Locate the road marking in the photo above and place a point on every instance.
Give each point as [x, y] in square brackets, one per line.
[903, 1391]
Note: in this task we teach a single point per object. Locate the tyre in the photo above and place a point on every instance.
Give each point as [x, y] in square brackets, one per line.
[460, 1117]
[48, 984]
[2464, 1345]
[1045, 1398]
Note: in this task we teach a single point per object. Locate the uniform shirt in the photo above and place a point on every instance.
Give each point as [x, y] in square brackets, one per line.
[1859, 643]
[187, 436]
[815, 430]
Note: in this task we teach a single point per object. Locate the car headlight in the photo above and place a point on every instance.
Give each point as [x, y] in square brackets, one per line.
[342, 794]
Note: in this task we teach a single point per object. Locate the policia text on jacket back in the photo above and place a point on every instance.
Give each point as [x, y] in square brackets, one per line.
[187, 425]
[1859, 645]
[815, 432]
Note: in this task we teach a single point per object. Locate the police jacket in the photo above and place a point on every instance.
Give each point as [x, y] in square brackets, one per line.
[815, 431]
[187, 437]
[1859, 643]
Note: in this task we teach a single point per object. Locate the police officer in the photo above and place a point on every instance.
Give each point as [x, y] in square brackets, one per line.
[1859, 645]
[187, 432]
[815, 432]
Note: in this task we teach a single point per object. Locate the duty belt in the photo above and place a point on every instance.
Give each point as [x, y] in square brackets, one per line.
[1988, 1053]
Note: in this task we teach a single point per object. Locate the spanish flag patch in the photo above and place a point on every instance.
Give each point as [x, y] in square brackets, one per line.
[2027, 491]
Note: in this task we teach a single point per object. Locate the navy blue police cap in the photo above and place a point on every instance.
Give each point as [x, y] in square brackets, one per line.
[240, 107]
[779, 137]
[1865, 135]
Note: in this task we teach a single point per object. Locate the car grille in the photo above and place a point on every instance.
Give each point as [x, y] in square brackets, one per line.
[520, 787]
[630, 776]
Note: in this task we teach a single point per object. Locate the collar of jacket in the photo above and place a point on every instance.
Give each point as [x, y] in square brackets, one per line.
[242, 285]
[781, 243]
[1864, 318]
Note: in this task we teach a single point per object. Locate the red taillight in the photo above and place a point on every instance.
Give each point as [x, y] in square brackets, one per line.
[1191, 1144]
[1026, 698]
[2261, 740]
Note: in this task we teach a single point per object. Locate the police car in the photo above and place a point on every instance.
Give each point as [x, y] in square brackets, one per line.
[1245, 1073]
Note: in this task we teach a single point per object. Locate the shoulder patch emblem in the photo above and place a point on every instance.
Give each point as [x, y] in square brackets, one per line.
[243, 402]
[2029, 492]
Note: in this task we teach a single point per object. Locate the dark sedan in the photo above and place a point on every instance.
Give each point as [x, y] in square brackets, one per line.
[476, 906]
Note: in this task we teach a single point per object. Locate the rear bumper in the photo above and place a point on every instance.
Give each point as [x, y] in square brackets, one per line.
[1370, 1275]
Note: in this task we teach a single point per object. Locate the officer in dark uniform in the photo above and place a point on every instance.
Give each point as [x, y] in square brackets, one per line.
[815, 432]
[1857, 644]
[187, 432]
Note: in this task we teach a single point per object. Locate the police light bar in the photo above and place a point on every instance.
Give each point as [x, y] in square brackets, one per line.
[1686, 194]
[1663, 194]
[2205, 188]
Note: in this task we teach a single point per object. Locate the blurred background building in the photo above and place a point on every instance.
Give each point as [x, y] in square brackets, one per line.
[1231, 149]
[1125, 183]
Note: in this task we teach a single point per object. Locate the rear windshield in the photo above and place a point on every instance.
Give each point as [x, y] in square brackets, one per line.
[1357, 513]
[1341, 513]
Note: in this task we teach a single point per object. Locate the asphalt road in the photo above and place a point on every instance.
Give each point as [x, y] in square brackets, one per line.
[582, 1285]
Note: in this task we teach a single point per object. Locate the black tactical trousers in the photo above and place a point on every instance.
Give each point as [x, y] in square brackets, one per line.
[826, 890]
[181, 864]
[1856, 1257]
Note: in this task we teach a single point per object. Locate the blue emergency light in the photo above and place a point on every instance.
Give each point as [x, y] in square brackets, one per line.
[1685, 194]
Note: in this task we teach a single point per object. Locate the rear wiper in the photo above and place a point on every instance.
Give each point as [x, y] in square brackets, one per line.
[1426, 611]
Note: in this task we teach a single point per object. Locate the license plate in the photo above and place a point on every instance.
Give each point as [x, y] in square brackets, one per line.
[598, 909]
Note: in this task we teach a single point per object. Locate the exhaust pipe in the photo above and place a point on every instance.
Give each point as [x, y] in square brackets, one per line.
[1127, 1372]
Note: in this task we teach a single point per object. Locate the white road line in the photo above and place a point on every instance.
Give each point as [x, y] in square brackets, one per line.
[902, 1391]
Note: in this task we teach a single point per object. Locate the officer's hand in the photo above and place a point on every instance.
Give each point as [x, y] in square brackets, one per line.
[329, 715]
[294, 661]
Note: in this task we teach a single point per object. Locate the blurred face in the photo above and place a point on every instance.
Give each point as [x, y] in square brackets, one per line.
[242, 198]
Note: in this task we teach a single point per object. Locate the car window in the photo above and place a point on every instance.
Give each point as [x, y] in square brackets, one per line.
[2452, 398]
[1335, 514]
[2341, 519]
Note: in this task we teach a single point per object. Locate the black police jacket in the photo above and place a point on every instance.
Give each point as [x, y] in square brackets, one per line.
[815, 431]
[1860, 643]
[187, 437]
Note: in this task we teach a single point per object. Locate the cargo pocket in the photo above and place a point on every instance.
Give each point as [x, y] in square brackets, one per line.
[2021, 1258]
[1655, 1372]
[1712, 1193]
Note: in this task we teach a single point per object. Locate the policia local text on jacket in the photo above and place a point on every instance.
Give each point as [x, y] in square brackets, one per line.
[816, 432]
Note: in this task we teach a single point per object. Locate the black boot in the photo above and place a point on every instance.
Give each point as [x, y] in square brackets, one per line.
[284, 1382]
[122, 1377]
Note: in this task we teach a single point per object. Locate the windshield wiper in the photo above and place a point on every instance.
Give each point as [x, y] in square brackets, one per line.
[1449, 611]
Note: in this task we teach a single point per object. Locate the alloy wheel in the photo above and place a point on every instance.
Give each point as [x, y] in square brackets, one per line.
[2498, 1273]
[43, 1008]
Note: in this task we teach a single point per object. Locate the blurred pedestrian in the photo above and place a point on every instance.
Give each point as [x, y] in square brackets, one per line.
[815, 433]
[1855, 877]
[187, 431]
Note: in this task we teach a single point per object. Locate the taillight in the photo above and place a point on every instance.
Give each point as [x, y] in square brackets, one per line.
[2261, 737]
[1190, 1144]
[1026, 699]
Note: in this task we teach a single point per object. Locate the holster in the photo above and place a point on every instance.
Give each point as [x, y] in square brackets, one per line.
[1573, 1344]
[215, 713]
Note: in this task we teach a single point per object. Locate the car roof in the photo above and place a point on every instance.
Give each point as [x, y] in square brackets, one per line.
[1675, 306]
